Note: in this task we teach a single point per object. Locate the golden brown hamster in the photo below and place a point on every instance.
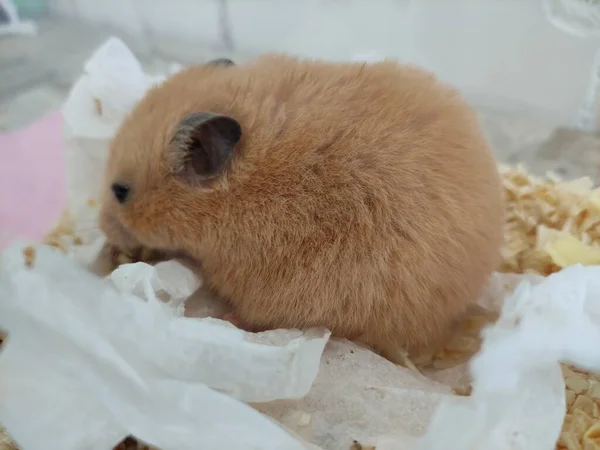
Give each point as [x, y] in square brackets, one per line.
[358, 197]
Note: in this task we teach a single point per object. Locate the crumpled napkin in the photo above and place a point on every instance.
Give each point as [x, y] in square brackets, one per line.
[89, 360]
[86, 364]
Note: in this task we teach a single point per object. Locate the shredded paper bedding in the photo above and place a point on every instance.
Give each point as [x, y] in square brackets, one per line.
[95, 354]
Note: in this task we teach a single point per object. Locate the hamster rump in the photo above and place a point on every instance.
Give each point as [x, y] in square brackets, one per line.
[361, 198]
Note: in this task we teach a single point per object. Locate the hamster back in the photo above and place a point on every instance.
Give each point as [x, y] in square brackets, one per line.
[362, 198]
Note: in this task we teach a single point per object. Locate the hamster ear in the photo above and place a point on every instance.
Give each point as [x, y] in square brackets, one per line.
[221, 62]
[203, 144]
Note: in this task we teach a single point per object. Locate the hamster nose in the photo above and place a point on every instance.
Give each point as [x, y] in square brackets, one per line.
[121, 191]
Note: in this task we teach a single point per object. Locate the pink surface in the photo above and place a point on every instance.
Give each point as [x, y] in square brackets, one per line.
[32, 179]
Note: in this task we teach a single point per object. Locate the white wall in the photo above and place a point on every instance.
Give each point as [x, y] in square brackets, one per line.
[502, 53]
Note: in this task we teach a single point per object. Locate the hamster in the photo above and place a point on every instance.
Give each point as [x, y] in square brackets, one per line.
[359, 197]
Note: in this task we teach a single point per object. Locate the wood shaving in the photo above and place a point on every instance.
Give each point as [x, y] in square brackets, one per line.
[358, 446]
[6, 442]
[98, 106]
[463, 392]
[29, 255]
[62, 234]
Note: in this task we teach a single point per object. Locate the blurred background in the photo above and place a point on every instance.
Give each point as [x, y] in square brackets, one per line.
[529, 67]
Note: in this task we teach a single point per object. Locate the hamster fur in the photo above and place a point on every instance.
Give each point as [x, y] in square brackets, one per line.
[359, 197]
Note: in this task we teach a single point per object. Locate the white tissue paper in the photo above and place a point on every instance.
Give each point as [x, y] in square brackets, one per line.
[90, 360]
[80, 349]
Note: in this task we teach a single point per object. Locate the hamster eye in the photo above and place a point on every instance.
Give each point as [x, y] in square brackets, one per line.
[120, 191]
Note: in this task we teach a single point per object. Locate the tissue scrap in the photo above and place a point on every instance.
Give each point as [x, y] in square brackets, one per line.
[114, 364]
[170, 280]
